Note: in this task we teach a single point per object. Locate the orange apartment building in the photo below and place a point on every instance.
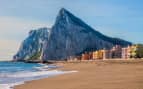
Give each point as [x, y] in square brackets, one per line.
[116, 52]
[98, 54]
[85, 56]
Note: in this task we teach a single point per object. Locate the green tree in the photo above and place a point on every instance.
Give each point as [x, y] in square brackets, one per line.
[35, 56]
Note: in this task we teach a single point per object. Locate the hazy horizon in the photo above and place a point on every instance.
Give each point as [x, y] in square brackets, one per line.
[122, 19]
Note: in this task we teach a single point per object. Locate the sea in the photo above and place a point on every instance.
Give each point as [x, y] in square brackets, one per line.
[16, 73]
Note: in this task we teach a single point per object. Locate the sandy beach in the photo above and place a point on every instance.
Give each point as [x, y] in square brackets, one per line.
[117, 74]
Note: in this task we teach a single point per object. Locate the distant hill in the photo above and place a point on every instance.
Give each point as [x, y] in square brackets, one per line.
[69, 36]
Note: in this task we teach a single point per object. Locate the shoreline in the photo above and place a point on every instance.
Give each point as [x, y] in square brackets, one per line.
[37, 71]
[12, 85]
[45, 71]
[100, 73]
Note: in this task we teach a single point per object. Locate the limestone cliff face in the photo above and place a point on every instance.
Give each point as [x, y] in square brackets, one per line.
[69, 36]
[32, 46]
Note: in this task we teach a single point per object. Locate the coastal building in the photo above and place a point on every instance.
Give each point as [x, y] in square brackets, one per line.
[126, 52]
[74, 58]
[95, 55]
[90, 55]
[85, 56]
[107, 54]
[134, 51]
[116, 51]
[98, 54]
[137, 51]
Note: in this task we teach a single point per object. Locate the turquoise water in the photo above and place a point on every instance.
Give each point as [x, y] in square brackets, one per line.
[11, 67]
[15, 73]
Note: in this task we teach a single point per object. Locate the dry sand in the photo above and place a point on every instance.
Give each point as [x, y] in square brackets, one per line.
[94, 75]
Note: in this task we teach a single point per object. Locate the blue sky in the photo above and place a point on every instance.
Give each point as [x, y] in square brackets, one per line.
[116, 18]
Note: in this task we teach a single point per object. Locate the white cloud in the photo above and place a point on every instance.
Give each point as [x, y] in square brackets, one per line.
[12, 32]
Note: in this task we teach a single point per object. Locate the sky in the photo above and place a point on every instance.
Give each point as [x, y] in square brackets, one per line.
[115, 18]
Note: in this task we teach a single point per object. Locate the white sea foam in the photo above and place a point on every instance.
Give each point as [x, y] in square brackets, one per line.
[7, 81]
[12, 74]
[10, 86]
[47, 67]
